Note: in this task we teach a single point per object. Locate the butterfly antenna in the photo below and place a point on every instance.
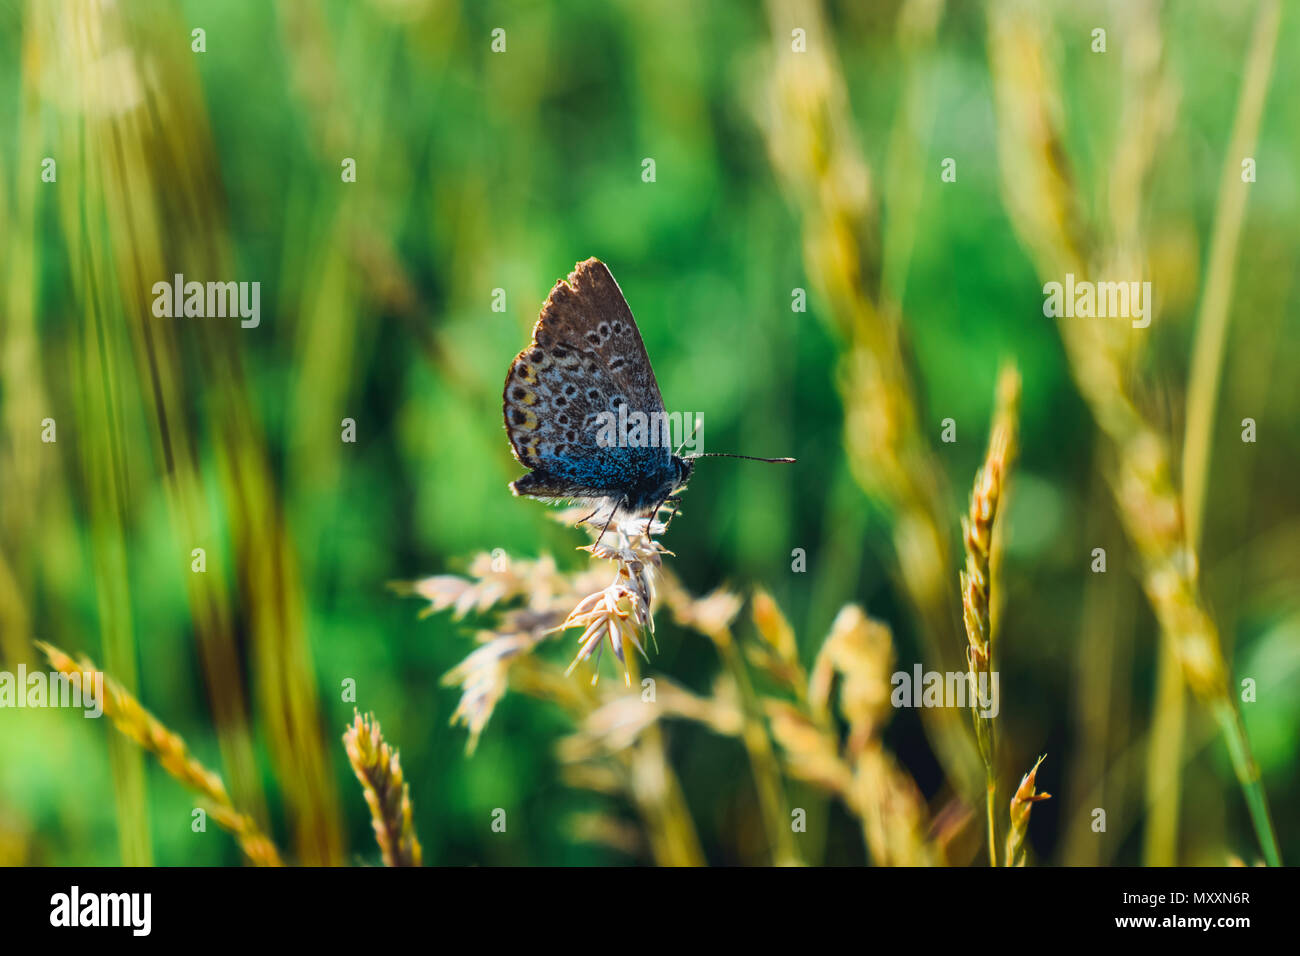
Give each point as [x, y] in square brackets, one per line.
[723, 454]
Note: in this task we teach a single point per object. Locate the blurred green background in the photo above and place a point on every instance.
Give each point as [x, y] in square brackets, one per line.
[479, 171]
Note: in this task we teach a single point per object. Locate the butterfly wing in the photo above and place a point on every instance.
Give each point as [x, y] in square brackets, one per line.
[586, 359]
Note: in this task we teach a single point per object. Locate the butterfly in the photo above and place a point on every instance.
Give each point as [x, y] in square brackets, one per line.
[585, 365]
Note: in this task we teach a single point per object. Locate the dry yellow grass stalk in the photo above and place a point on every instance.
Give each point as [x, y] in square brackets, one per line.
[712, 616]
[134, 116]
[1039, 191]
[137, 724]
[1169, 723]
[858, 657]
[777, 653]
[809, 750]
[893, 811]
[508, 659]
[859, 652]
[1229, 216]
[1025, 797]
[809, 130]
[977, 525]
[378, 766]
[976, 579]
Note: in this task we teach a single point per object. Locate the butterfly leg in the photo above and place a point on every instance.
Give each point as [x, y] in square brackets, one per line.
[675, 500]
[612, 511]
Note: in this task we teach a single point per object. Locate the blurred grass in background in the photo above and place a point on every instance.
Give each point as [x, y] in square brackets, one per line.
[479, 171]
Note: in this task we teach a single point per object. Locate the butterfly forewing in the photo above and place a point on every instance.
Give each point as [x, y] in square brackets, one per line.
[586, 360]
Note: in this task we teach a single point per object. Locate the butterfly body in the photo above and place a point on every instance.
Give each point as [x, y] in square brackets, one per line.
[585, 364]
